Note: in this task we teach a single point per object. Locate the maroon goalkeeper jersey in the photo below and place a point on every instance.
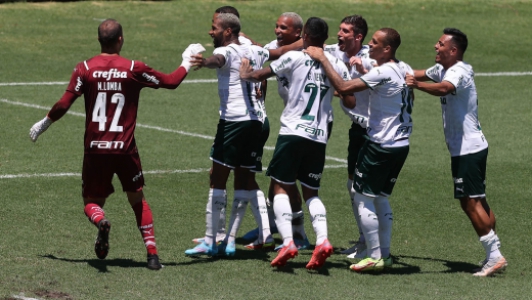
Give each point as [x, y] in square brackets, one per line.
[111, 86]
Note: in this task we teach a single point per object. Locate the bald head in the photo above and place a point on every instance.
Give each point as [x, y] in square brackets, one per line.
[109, 33]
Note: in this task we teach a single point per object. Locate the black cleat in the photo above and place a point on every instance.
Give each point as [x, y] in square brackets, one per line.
[153, 262]
[101, 246]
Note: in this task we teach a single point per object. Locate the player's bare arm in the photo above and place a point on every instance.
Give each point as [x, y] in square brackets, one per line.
[348, 101]
[213, 62]
[276, 53]
[343, 87]
[436, 89]
[248, 74]
[421, 75]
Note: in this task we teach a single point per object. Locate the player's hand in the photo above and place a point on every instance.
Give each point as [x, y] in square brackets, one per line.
[315, 52]
[197, 61]
[190, 51]
[40, 127]
[410, 81]
[245, 68]
[357, 63]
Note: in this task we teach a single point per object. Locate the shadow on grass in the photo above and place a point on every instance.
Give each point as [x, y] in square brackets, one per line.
[453, 266]
[102, 264]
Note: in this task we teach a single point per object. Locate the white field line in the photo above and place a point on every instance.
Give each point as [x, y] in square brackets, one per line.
[49, 175]
[21, 296]
[216, 80]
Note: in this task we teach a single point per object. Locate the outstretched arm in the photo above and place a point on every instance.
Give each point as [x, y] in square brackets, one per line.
[343, 87]
[436, 89]
[213, 62]
[248, 74]
[58, 110]
[276, 53]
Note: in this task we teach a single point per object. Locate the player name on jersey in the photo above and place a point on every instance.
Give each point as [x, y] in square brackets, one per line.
[109, 86]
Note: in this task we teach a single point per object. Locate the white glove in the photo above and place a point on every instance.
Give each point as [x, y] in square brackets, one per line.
[39, 128]
[192, 49]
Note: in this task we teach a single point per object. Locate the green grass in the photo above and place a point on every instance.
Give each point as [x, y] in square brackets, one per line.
[46, 247]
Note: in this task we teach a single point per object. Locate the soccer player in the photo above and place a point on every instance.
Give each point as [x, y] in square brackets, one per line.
[351, 50]
[384, 152]
[288, 32]
[111, 85]
[239, 129]
[455, 85]
[300, 148]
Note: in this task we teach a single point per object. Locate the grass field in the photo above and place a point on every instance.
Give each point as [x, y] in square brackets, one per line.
[46, 250]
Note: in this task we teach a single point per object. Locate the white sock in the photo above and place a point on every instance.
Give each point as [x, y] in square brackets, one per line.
[385, 216]
[283, 217]
[238, 211]
[220, 234]
[298, 224]
[257, 198]
[491, 245]
[351, 191]
[318, 217]
[215, 204]
[370, 224]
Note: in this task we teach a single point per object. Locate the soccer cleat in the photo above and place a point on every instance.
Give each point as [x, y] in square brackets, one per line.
[319, 255]
[481, 265]
[357, 251]
[200, 240]
[268, 246]
[368, 265]
[251, 235]
[286, 253]
[202, 249]
[101, 245]
[388, 262]
[153, 262]
[228, 249]
[300, 244]
[492, 266]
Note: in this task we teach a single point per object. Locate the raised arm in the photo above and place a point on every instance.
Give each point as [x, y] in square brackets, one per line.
[276, 53]
[436, 89]
[343, 87]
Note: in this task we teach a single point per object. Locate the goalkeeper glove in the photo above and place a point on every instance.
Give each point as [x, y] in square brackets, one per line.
[192, 49]
[40, 127]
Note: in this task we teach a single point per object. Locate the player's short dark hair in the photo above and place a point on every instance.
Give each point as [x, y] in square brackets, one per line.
[458, 38]
[392, 38]
[227, 10]
[108, 32]
[316, 29]
[360, 26]
[230, 21]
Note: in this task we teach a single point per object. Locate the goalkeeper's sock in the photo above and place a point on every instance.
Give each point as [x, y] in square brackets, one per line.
[94, 212]
[144, 218]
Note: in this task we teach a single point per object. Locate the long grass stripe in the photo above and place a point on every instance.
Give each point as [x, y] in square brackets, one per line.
[207, 137]
[504, 74]
[201, 170]
[66, 82]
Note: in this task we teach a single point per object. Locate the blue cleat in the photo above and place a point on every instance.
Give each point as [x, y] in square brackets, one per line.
[228, 249]
[202, 249]
[251, 235]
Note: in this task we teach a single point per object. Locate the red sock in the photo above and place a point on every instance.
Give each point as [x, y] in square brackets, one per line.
[145, 224]
[94, 212]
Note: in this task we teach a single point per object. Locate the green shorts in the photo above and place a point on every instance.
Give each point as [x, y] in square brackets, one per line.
[236, 143]
[378, 168]
[469, 174]
[265, 133]
[298, 158]
[357, 136]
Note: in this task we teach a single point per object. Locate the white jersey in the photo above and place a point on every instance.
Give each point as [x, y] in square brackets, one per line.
[390, 104]
[282, 84]
[360, 113]
[461, 126]
[308, 109]
[238, 100]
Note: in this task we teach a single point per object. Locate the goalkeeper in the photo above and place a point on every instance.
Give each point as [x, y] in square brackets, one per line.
[111, 85]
